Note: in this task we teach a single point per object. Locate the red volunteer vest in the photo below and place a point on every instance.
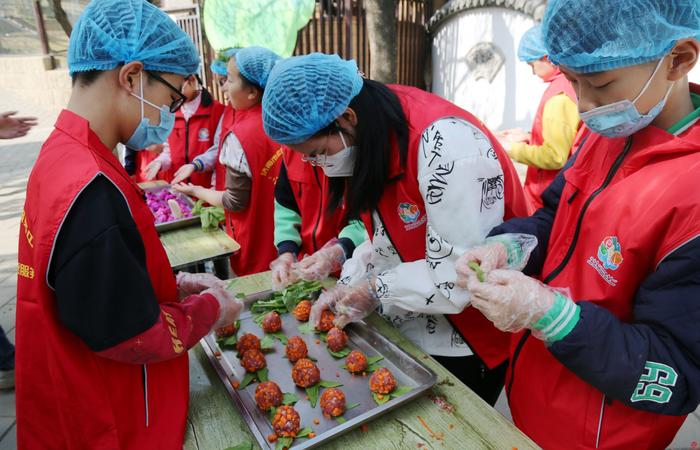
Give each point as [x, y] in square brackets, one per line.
[67, 396]
[538, 179]
[227, 120]
[190, 138]
[422, 109]
[310, 189]
[253, 227]
[649, 208]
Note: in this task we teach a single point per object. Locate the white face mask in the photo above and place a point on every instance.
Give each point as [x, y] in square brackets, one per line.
[341, 164]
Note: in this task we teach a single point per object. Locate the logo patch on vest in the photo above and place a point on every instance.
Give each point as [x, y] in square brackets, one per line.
[203, 134]
[410, 215]
[655, 383]
[609, 258]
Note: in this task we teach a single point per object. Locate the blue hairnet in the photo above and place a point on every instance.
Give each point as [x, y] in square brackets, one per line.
[218, 66]
[255, 63]
[113, 32]
[304, 94]
[532, 45]
[598, 35]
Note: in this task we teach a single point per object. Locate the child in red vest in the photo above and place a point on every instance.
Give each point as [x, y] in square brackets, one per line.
[426, 178]
[607, 350]
[193, 134]
[548, 146]
[252, 162]
[103, 325]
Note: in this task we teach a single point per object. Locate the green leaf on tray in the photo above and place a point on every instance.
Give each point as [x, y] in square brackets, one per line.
[271, 413]
[306, 328]
[289, 398]
[323, 336]
[312, 393]
[228, 342]
[340, 354]
[329, 384]
[374, 359]
[284, 442]
[267, 342]
[340, 419]
[351, 406]
[304, 432]
[279, 336]
[399, 391]
[380, 401]
[247, 379]
[262, 374]
[246, 445]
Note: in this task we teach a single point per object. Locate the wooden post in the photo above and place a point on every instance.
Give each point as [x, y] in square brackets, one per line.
[40, 27]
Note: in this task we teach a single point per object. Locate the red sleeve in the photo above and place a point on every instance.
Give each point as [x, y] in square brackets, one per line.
[179, 327]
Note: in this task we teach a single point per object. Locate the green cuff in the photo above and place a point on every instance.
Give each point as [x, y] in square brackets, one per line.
[355, 231]
[287, 224]
[561, 318]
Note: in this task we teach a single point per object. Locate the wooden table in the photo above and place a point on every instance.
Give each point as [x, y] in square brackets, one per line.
[450, 416]
[191, 245]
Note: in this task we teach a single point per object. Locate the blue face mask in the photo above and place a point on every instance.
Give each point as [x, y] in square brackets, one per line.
[146, 134]
[622, 119]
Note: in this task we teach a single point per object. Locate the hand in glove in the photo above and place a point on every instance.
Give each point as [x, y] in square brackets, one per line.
[513, 302]
[194, 283]
[324, 262]
[349, 303]
[229, 306]
[506, 251]
[283, 273]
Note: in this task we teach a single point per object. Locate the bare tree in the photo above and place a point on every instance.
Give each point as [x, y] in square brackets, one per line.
[61, 16]
[381, 30]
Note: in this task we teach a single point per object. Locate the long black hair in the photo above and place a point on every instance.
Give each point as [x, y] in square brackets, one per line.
[206, 99]
[380, 120]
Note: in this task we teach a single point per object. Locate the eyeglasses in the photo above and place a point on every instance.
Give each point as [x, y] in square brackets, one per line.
[179, 101]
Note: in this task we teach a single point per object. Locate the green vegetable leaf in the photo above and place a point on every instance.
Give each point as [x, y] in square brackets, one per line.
[399, 391]
[340, 354]
[271, 413]
[304, 432]
[245, 445]
[279, 336]
[284, 442]
[197, 208]
[306, 328]
[247, 379]
[380, 401]
[323, 336]
[267, 342]
[351, 406]
[312, 393]
[480, 275]
[329, 384]
[289, 398]
[374, 359]
[340, 419]
[262, 374]
[228, 342]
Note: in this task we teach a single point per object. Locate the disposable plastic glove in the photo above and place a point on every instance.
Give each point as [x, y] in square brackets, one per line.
[194, 283]
[230, 307]
[183, 173]
[329, 259]
[505, 251]
[283, 273]
[349, 303]
[514, 301]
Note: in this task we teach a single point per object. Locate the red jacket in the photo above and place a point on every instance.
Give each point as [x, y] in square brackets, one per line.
[190, 138]
[625, 206]
[253, 227]
[227, 120]
[310, 188]
[69, 397]
[538, 179]
[422, 109]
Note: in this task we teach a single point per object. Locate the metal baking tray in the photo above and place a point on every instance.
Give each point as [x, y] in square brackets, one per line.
[406, 369]
[175, 224]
